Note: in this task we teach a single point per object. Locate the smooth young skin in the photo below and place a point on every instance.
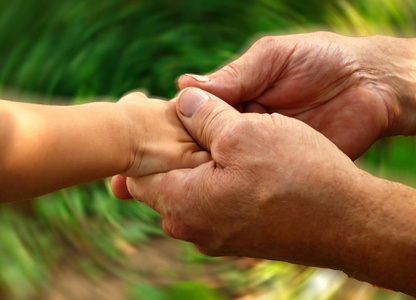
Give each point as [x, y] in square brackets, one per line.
[278, 189]
[353, 90]
[45, 148]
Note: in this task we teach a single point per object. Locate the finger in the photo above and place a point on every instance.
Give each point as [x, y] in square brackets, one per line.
[146, 189]
[178, 196]
[254, 107]
[119, 187]
[241, 80]
[197, 158]
[204, 115]
[156, 190]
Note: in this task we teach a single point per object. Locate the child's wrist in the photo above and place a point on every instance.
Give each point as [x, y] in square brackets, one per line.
[116, 136]
[131, 132]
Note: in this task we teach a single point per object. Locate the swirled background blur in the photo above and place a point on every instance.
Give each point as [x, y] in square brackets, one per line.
[81, 243]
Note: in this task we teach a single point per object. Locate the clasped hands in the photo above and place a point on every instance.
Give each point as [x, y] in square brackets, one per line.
[258, 161]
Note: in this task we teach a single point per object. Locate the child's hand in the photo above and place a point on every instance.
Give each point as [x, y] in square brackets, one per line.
[48, 147]
[158, 140]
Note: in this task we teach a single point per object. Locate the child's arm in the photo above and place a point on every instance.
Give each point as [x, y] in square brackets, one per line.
[44, 148]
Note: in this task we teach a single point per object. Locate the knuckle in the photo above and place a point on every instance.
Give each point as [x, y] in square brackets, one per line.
[278, 120]
[239, 126]
[180, 231]
[192, 231]
[265, 41]
[140, 94]
[325, 34]
[233, 70]
[170, 229]
[232, 134]
[133, 96]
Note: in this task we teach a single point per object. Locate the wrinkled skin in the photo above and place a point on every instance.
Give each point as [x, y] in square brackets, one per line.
[352, 90]
[272, 178]
[278, 189]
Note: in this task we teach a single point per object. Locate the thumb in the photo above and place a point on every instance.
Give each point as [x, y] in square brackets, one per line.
[241, 80]
[204, 115]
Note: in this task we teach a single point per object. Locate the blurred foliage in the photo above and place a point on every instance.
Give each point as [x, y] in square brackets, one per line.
[86, 49]
[94, 47]
[177, 291]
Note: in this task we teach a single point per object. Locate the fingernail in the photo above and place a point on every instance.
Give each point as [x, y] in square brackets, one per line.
[190, 99]
[199, 77]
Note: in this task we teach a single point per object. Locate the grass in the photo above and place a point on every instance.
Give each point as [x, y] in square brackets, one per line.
[92, 49]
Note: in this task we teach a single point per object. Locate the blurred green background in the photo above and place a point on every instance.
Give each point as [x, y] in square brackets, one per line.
[81, 243]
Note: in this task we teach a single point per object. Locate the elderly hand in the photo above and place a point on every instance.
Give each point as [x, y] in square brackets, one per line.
[353, 90]
[278, 189]
[272, 178]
